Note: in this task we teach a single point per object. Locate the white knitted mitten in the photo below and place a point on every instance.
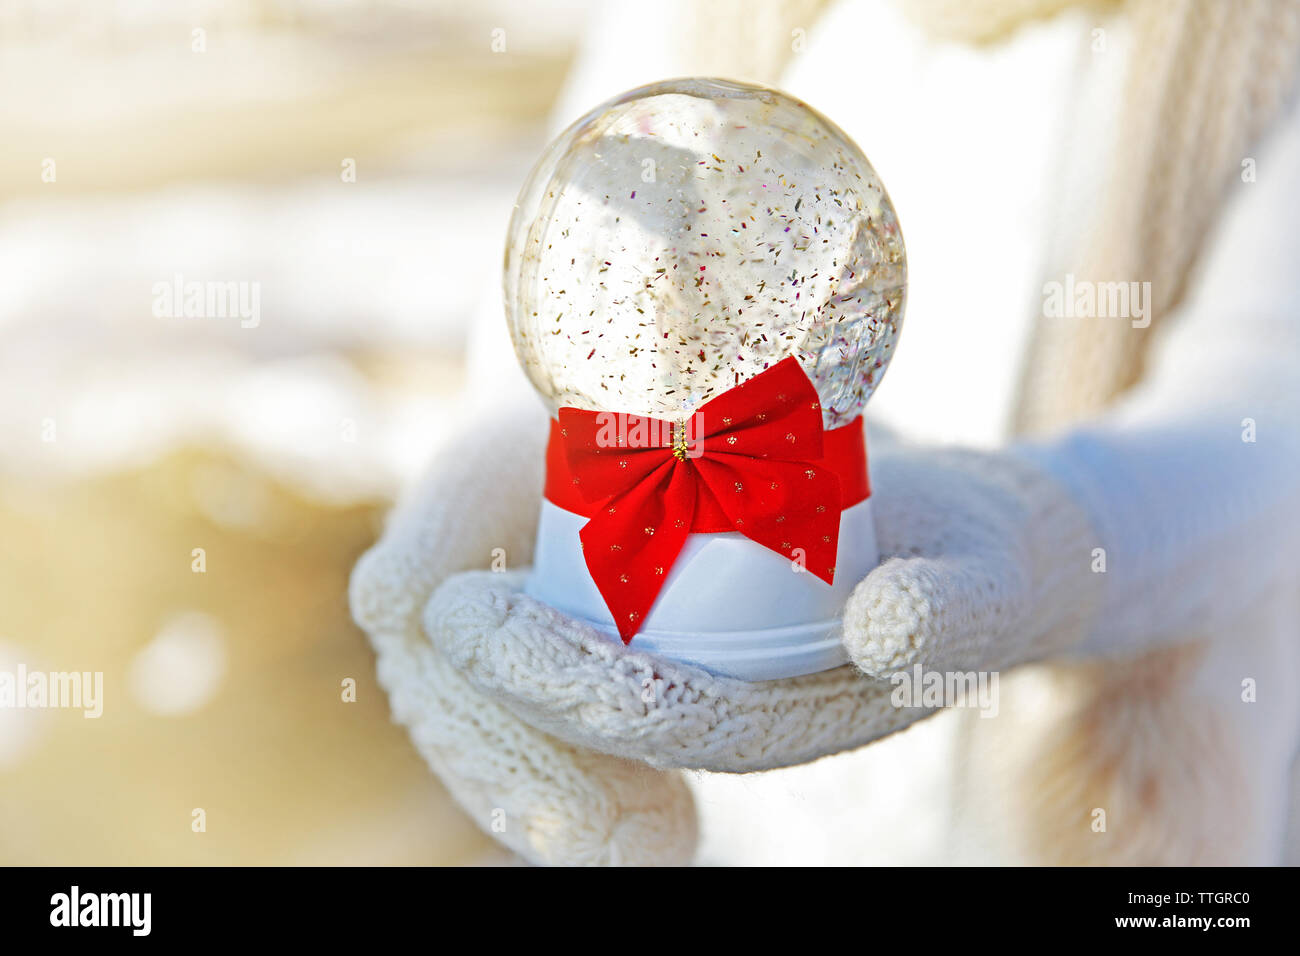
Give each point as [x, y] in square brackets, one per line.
[545, 799]
[515, 705]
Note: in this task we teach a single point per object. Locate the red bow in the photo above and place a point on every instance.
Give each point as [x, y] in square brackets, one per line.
[754, 460]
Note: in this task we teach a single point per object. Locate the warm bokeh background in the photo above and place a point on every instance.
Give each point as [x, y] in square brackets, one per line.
[127, 441]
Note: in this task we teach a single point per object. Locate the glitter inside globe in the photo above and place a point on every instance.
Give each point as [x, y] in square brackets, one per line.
[680, 239]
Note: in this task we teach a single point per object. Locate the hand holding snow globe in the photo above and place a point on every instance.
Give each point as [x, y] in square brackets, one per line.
[705, 282]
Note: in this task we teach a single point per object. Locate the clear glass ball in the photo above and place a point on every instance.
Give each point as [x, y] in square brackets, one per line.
[683, 237]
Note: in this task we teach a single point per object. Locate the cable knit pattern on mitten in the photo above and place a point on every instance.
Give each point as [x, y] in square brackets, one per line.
[549, 801]
[572, 681]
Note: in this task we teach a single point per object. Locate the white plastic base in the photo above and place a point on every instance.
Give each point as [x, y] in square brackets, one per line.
[728, 604]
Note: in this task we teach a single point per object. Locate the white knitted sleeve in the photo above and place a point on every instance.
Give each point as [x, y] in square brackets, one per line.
[1193, 480]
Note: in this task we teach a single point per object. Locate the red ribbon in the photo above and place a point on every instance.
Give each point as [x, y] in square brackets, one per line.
[755, 460]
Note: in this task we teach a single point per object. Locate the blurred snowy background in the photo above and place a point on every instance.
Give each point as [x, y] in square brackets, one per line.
[216, 141]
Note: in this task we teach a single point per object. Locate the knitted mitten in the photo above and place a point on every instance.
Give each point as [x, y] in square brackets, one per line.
[989, 563]
[533, 720]
[544, 799]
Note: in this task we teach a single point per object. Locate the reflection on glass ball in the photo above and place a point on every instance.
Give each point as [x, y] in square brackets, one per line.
[680, 239]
